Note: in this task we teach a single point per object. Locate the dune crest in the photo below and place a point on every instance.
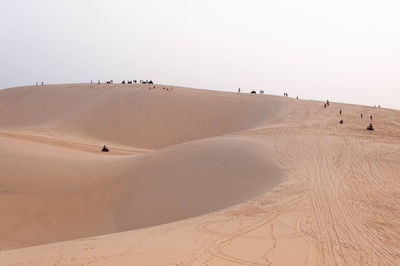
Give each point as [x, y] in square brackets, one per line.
[133, 115]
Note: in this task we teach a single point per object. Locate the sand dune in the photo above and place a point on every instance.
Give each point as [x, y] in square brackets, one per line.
[44, 192]
[257, 179]
[49, 180]
[132, 115]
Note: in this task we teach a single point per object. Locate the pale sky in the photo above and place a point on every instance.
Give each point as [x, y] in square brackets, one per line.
[342, 50]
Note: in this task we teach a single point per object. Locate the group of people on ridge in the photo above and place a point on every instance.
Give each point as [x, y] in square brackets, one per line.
[370, 126]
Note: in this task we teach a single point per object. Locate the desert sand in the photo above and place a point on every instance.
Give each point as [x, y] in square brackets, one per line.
[194, 177]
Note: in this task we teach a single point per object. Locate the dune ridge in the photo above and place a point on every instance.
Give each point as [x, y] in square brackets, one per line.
[132, 115]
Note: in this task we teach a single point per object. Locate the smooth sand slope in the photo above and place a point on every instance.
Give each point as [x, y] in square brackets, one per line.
[132, 115]
[183, 153]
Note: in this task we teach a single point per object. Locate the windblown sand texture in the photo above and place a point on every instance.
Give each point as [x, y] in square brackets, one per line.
[194, 177]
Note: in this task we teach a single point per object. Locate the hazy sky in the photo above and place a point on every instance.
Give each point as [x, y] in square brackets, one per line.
[342, 50]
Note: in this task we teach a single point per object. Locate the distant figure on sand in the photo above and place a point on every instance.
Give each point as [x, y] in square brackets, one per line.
[261, 92]
[361, 115]
[341, 122]
[105, 149]
[239, 90]
[370, 127]
[325, 105]
[370, 117]
[340, 112]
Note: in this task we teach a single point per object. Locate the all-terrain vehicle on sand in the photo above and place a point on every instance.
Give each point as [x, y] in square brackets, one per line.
[105, 149]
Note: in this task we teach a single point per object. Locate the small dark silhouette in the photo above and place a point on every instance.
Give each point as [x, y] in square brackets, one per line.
[253, 92]
[325, 105]
[98, 81]
[361, 116]
[341, 122]
[150, 82]
[129, 81]
[379, 106]
[327, 102]
[370, 127]
[370, 117]
[123, 82]
[340, 112]
[42, 83]
[105, 149]
[239, 90]
[297, 97]
[261, 92]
